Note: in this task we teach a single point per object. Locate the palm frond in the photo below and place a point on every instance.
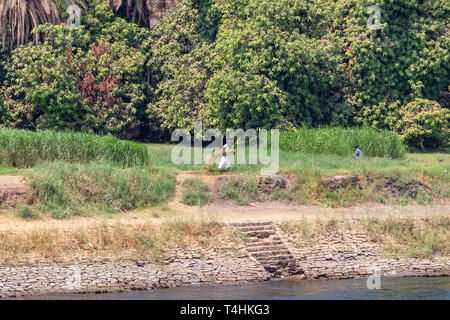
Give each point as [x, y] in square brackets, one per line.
[19, 17]
[141, 11]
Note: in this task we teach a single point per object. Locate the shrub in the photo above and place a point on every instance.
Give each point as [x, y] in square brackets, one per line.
[240, 190]
[27, 212]
[424, 123]
[41, 90]
[407, 58]
[373, 142]
[278, 67]
[65, 190]
[89, 79]
[194, 193]
[24, 148]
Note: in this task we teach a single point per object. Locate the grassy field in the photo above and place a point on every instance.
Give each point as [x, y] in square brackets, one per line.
[65, 190]
[340, 141]
[326, 164]
[25, 149]
[81, 174]
[7, 170]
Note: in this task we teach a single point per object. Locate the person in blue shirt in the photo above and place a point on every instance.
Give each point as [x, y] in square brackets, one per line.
[358, 153]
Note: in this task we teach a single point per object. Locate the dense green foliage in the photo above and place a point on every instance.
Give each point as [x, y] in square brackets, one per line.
[65, 190]
[407, 58]
[86, 79]
[340, 141]
[23, 148]
[279, 67]
[238, 64]
[424, 123]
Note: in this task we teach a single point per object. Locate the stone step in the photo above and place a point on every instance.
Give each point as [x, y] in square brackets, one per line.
[283, 267]
[266, 247]
[262, 254]
[252, 242]
[260, 234]
[255, 228]
[267, 259]
[249, 224]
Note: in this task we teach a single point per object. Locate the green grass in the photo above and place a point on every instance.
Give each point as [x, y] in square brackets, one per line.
[411, 238]
[26, 212]
[8, 170]
[340, 141]
[323, 164]
[21, 149]
[195, 192]
[306, 171]
[64, 189]
[24, 149]
[241, 190]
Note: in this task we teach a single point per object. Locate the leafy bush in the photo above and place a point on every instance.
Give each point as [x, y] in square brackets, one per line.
[277, 65]
[26, 212]
[406, 59]
[23, 148]
[424, 123]
[240, 190]
[194, 192]
[373, 142]
[180, 64]
[88, 79]
[64, 189]
[41, 90]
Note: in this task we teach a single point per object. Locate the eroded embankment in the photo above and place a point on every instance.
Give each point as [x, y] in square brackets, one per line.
[267, 251]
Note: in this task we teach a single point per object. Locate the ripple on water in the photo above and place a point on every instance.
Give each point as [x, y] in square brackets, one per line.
[391, 288]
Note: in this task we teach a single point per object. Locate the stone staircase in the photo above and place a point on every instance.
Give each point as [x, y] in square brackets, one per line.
[263, 243]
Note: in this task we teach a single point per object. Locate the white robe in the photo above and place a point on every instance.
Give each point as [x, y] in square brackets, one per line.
[225, 161]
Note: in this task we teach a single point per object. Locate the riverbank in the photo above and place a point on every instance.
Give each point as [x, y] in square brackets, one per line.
[333, 254]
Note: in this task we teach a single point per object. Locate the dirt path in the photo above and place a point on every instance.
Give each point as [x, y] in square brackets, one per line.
[219, 210]
[224, 211]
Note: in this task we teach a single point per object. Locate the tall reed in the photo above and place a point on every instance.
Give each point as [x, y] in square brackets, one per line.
[336, 140]
[24, 148]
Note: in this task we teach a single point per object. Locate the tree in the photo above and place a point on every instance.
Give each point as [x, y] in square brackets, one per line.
[41, 90]
[424, 123]
[141, 12]
[79, 80]
[19, 17]
[287, 64]
[407, 58]
[179, 66]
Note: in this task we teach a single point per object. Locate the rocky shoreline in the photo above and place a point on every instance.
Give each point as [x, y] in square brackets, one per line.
[110, 277]
[335, 256]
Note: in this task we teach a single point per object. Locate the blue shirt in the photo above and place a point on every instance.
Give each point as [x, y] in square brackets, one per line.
[358, 153]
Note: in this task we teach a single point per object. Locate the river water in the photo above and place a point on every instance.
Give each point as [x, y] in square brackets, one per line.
[391, 288]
